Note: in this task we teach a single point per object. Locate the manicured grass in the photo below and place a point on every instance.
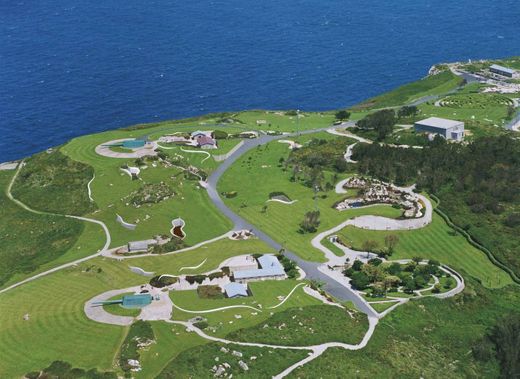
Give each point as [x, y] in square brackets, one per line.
[431, 85]
[260, 175]
[265, 295]
[32, 241]
[213, 254]
[306, 326]
[424, 338]
[434, 242]
[198, 362]
[57, 328]
[111, 186]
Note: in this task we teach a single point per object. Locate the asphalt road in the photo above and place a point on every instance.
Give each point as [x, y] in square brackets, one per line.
[332, 286]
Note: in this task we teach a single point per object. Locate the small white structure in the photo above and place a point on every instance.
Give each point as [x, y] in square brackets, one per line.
[242, 263]
[449, 129]
[138, 246]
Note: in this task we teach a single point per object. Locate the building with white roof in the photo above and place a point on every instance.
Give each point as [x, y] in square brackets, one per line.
[242, 263]
[270, 269]
[449, 129]
[502, 71]
[234, 289]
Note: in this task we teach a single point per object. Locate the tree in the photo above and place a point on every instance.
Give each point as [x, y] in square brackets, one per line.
[382, 122]
[505, 335]
[342, 115]
[357, 265]
[310, 222]
[407, 111]
[394, 268]
[391, 241]
[409, 285]
[359, 280]
[391, 281]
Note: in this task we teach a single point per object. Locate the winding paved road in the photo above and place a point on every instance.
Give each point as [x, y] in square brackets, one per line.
[311, 269]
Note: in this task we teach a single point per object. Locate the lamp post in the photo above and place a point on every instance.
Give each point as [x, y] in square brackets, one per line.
[297, 122]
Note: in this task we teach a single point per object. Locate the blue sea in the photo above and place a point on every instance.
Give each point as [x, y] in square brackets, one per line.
[69, 68]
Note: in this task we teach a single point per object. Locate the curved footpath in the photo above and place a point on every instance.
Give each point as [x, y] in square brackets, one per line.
[75, 262]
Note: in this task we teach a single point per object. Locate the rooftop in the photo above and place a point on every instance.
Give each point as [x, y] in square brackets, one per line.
[241, 260]
[502, 68]
[270, 266]
[235, 289]
[437, 122]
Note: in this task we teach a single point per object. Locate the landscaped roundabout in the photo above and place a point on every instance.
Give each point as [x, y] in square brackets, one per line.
[211, 249]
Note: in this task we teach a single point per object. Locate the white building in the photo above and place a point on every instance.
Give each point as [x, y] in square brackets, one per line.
[242, 263]
[270, 269]
[502, 71]
[449, 129]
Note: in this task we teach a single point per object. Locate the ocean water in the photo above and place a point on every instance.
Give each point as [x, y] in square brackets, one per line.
[69, 68]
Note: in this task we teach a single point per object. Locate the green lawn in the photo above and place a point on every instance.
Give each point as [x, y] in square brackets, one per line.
[261, 175]
[213, 254]
[381, 307]
[57, 328]
[111, 186]
[265, 295]
[434, 242]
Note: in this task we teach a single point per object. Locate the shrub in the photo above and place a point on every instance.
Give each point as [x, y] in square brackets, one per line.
[163, 281]
[210, 292]
[310, 222]
[220, 134]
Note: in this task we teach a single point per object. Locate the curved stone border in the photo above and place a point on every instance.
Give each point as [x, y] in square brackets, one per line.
[140, 271]
[89, 189]
[193, 267]
[178, 222]
[125, 224]
[281, 201]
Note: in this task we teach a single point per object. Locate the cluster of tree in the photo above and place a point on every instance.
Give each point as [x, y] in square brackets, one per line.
[288, 265]
[160, 281]
[502, 342]
[382, 122]
[477, 184]
[310, 222]
[407, 111]
[309, 162]
[61, 369]
[172, 245]
[383, 278]
[342, 115]
[372, 246]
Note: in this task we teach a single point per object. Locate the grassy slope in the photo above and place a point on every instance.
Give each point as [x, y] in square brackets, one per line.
[57, 324]
[264, 293]
[30, 241]
[435, 242]
[261, 175]
[111, 185]
[54, 183]
[197, 362]
[431, 85]
[425, 338]
[306, 326]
